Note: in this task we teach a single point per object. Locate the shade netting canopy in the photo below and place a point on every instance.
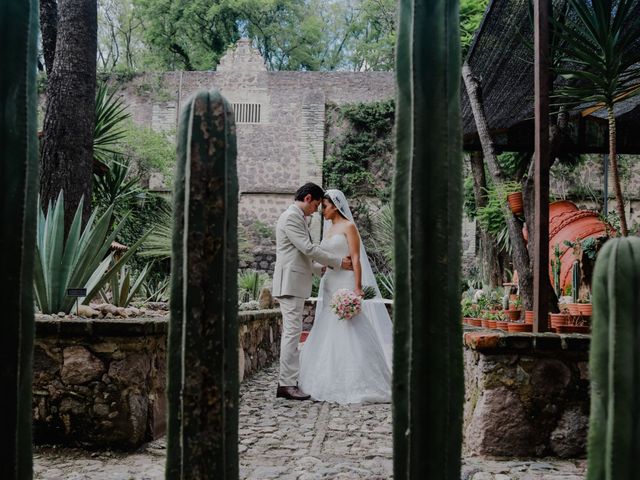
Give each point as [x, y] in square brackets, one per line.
[501, 57]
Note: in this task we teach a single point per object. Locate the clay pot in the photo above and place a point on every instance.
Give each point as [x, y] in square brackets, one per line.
[574, 309]
[514, 315]
[515, 203]
[502, 325]
[476, 322]
[520, 327]
[557, 319]
[566, 222]
[528, 317]
[573, 329]
[585, 309]
[486, 323]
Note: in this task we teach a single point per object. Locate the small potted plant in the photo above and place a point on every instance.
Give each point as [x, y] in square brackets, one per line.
[502, 320]
[557, 319]
[514, 197]
[515, 307]
[585, 308]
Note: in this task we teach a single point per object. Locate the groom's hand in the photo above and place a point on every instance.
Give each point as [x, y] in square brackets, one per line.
[346, 263]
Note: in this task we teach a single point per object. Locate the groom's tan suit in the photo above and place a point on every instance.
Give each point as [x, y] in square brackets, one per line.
[292, 280]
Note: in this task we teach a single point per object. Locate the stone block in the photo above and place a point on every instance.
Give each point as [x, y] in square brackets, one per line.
[80, 366]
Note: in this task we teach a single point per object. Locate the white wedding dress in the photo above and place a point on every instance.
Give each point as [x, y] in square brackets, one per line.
[346, 361]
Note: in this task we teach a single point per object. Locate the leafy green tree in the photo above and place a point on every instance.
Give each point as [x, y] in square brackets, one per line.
[187, 34]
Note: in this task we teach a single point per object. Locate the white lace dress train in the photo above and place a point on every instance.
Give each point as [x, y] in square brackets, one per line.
[346, 361]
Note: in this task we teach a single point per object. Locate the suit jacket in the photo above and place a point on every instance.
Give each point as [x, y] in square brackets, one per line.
[295, 253]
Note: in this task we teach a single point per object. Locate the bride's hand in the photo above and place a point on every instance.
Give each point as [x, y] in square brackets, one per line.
[359, 292]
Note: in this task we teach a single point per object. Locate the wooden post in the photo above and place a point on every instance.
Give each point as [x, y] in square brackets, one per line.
[541, 174]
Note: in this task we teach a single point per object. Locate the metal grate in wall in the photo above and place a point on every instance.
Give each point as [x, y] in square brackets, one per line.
[247, 112]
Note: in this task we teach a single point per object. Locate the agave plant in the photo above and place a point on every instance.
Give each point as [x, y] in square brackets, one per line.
[250, 283]
[157, 291]
[115, 187]
[110, 113]
[124, 286]
[80, 261]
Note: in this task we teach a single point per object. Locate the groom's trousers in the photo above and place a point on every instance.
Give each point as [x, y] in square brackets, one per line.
[291, 308]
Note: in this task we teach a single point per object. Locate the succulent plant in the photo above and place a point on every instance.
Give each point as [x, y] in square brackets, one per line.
[18, 194]
[202, 392]
[614, 361]
[428, 371]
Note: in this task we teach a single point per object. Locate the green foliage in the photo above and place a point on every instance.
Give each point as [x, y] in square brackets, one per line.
[123, 286]
[111, 112]
[469, 206]
[116, 187]
[250, 282]
[359, 161]
[315, 286]
[369, 292]
[383, 233]
[187, 34]
[150, 150]
[386, 283]
[79, 261]
[156, 291]
[614, 363]
[471, 13]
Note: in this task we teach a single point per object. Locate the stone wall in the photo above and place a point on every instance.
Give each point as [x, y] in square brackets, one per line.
[101, 383]
[260, 333]
[526, 395]
[280, 148]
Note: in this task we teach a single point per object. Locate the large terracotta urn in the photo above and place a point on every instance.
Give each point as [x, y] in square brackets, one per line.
[567, 222]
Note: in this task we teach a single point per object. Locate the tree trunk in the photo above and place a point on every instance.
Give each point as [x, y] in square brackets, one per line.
[67, 147]
[613, 156]
[492, 272]
[520, 255]
[49, 30]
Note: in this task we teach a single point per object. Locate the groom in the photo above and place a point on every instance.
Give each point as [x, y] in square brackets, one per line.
[295, 254]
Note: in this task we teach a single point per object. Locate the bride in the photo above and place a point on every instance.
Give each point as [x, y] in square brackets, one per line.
[347, 361]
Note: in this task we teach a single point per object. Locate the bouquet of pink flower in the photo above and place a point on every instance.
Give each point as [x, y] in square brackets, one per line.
[346, 304]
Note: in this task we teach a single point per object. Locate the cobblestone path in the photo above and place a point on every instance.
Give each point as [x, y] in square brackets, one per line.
[293, 440]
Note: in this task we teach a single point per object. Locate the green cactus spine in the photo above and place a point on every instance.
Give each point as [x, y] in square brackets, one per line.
[614, 425]
[18, 194]
[428, 370]
[202, 437]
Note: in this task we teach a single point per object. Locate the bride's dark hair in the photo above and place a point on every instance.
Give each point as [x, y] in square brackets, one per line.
[328, 198]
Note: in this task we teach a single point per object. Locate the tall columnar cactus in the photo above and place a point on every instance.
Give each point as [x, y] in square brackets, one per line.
[18, 194]
[614, 427]
[202, 391]
[428, 371]
[575, 279]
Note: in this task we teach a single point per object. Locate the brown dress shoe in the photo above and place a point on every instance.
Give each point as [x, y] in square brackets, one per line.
[291, 393]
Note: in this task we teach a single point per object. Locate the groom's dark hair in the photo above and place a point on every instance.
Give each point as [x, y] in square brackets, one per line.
[312, 189]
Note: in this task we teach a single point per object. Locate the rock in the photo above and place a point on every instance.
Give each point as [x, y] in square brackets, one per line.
[133, 369]
[122, 312]
[107, 308]
[499, 425]
[87, 311]
[61, 314]
[80, 366]
[569, 438]
[133, 311]
[266, 299]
